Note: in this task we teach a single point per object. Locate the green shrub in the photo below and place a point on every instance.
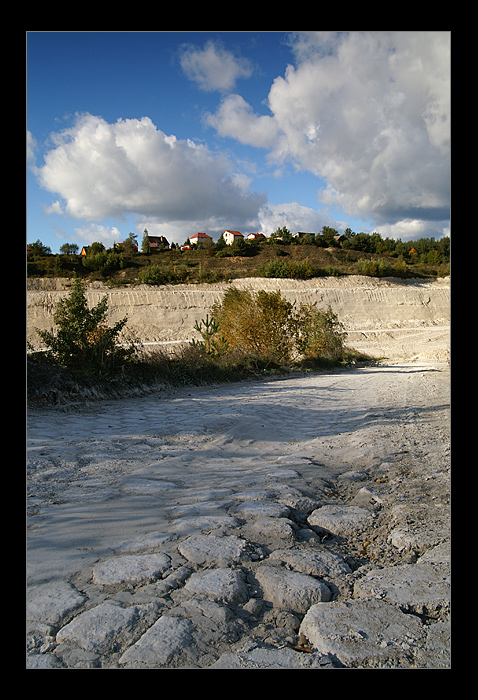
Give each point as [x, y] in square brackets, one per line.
[256, 325]
[156, 274]
[83, 341]
[332, 271]
[287, 269]
[399, 269]
[211, 342]
[382, 268]
[264, 328]
[103, 261]
[318, 334]
[274, 268]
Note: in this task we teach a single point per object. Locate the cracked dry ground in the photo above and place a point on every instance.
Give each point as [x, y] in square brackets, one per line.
[300, 522]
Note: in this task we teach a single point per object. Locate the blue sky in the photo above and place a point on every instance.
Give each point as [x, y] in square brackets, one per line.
[180, 132]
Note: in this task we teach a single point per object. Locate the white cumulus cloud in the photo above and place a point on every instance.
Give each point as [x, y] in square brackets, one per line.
[102, 170]
[294, 216]
[369, 113]
[91, 233]
[214, 67]
[411, 229]
[235, 118]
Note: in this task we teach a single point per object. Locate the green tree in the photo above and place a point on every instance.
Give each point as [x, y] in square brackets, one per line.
[444, 248]
[211, 343]
[145, 242]
[130, 245]
[281, 235]
[69, 249]
[37, 248]
[328, 234]
[83, 340]
[95, 248]
[240, 247]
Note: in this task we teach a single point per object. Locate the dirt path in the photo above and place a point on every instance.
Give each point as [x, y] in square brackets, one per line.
[140, 482]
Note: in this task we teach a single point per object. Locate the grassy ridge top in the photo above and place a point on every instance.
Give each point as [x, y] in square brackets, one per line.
[296, 261]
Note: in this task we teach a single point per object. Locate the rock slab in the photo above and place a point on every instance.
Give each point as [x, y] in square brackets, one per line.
[316, 563]
[340, 520]
[422, 588]
[130, 569]
[49, 603]
[106, 627]
[289, 590]
[160, 643]
[364, 632]
[224, 586]
[210, 550]
[271, 658]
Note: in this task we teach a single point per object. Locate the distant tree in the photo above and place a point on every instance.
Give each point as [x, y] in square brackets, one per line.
[240, 247]
[281, 235]
[308, 239]
[401, 248]
[375, 243]
[69, 249]
[328, 234]
[130, 245]
[37, 248]
[220, 244]
[363, 242]
[444, 248]
[433, 257]
[95, 248]
[145, 243]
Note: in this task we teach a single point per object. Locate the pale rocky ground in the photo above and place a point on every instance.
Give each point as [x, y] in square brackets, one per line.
[295, 523]
[209, 527]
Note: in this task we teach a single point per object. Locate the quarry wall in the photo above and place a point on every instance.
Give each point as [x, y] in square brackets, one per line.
[386, 317]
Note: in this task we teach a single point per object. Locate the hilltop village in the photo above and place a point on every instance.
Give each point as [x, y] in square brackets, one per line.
[282, 254]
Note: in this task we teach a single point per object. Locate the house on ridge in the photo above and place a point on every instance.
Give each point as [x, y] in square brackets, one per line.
[200, 239]
[255, 237]
[155, 242]
[231, 236]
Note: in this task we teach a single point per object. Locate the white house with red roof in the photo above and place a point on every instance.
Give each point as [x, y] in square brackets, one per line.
[200, 239]
[231, 236]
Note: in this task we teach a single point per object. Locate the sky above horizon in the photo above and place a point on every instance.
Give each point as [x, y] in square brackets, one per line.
[180, 132]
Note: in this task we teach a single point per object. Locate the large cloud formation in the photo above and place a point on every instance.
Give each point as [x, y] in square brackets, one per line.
[109, 170]
[369, 113]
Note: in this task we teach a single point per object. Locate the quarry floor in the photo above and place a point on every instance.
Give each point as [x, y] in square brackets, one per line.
[300, 522]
